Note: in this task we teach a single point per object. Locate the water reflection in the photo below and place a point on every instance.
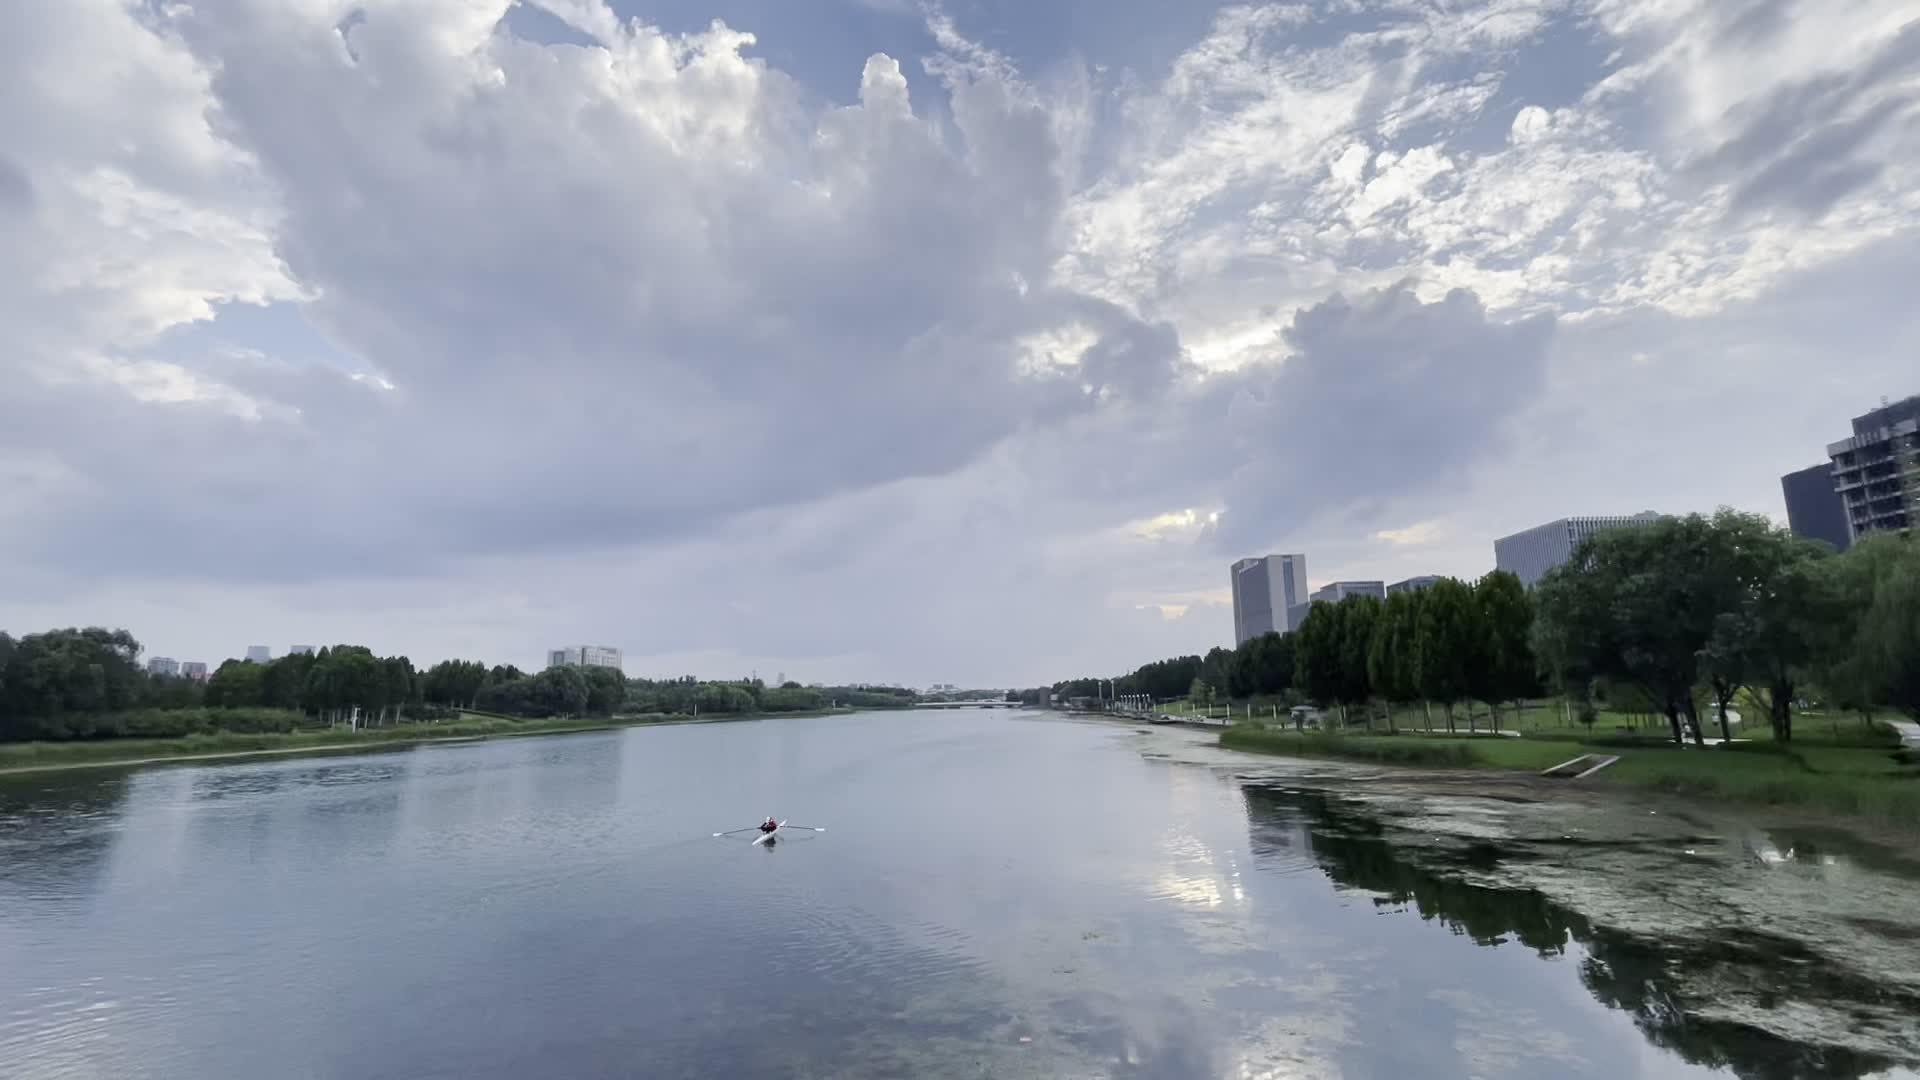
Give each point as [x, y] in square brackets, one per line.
[56, 832]
[1684, 993]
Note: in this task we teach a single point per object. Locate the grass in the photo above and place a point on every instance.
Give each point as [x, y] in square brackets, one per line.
[1841, 770]
[1382, 749]
[37, 755]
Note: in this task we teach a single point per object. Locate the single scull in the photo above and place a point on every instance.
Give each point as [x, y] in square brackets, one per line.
[771, 836]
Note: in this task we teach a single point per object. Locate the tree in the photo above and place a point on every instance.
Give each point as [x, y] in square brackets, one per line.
[58, 680]
[1316, 655]
[1776, 634]
[1392, 655]
[1564, 666]
[236, 684]
[7, 649]
[559, 691]
[1504, 668]
[1641, 604]
[1262, 665]
[606, 690]
[1200, 693]
[397, 685]
[1358, 615]
[1447, 643]
[1890, 633]
[1877, 662]
[459, 682]
[1216, 668]
[1741, 554]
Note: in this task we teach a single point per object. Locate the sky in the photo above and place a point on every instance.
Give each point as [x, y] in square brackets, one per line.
[880, 340]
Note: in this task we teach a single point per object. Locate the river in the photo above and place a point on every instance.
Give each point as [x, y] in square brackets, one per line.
[998, 895]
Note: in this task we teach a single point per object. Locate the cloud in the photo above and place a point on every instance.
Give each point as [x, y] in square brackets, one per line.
[543, 320]
[1378, 396]
[618, 292]
[1418, 534]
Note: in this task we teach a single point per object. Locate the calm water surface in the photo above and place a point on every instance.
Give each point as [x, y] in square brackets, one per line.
[998, 895]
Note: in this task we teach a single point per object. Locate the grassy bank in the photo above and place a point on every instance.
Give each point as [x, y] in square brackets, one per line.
[1855, 774]
[30, 756]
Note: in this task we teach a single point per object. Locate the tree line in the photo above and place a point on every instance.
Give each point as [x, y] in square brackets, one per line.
[88, 683]
[1673, 614]
[1449, 643]
[1260, 667]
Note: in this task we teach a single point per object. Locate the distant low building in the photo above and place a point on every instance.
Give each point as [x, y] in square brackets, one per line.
[1529, 554]
[585, 656]
[165, 666]
[1413, 584]
[259, 654]
[1335, 591]
[302, 650]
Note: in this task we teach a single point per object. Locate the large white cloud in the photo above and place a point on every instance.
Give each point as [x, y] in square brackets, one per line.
[638, 334]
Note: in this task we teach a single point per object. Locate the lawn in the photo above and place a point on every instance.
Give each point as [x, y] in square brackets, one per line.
[1840, 768]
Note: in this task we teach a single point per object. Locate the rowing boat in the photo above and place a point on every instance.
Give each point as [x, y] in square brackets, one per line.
[771, 836]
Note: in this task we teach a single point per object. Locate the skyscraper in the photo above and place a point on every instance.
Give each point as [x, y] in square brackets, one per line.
[165, 666]
[258, 654]
[1876, 472]
[1265, 592]
[1814, 509]
[1529, 554]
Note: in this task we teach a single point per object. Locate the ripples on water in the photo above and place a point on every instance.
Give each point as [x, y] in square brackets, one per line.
[999, 896]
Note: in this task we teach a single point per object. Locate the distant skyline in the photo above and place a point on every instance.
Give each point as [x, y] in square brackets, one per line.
[877, 340]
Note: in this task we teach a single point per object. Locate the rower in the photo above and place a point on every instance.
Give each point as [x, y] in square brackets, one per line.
[769, 825]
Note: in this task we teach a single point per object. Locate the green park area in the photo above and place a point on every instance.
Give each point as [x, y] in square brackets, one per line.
[1716, 657]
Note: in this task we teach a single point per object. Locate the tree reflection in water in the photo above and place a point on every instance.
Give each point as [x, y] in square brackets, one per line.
[1665, 984]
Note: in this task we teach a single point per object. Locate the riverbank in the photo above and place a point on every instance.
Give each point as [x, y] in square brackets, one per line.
[1868, 779]
[35, 757]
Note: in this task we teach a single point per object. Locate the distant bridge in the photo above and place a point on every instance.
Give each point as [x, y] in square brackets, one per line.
[988, 703]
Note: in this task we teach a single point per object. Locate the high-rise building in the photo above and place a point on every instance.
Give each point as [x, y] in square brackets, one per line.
[1265, 591]
[1413, 584]
[1529, 554]
[195, 670]
[165, 666]
[1876, 472]
[1814, 509]
[584, 656]
[1335, 591]
[258, 654]
[302, 650]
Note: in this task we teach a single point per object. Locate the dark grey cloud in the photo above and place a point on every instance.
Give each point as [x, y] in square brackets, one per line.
[1380, 396]
[1362, 400]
